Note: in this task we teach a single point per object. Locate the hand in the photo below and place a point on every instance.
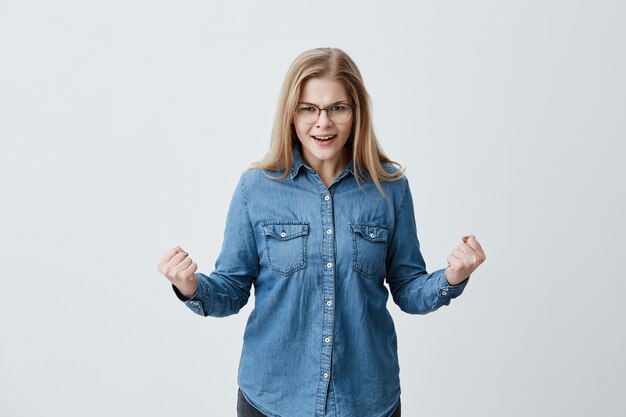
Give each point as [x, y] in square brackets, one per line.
[463, 260]
[178, 267]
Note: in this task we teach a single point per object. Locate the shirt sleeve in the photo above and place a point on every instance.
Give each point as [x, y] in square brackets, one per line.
[413, 289]
[227, 289]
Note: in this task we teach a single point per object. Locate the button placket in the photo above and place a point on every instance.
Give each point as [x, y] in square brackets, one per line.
[328, 290]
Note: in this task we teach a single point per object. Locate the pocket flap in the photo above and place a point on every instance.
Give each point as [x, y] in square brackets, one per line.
[371, 233]
[285, 231]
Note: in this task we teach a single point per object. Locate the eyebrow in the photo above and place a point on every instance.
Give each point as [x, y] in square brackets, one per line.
[313, 104]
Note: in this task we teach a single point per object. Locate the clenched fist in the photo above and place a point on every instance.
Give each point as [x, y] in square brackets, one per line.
[463, 260]
[178, 267]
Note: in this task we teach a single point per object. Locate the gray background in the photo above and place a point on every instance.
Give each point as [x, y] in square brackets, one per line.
[125, 126]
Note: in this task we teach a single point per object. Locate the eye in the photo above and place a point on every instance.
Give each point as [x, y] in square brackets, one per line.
[308, 109]
[338, 107]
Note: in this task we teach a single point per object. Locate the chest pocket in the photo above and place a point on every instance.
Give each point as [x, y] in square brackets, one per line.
[369, 249]
[285, 244]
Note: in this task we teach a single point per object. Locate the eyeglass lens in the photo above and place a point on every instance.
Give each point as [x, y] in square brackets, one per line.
[338, 113]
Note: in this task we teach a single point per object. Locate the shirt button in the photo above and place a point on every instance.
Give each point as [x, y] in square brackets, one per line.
[329, 265]
[327, 339]
[327, 197]
[329, 303]
[372, 235]
[325, 375]
[444, 292]
[283, 234]
[329, 231]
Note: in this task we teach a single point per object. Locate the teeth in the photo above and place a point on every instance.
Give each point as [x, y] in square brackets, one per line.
[324, 137]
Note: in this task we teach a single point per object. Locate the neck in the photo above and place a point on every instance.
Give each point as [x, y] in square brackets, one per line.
[330, 169]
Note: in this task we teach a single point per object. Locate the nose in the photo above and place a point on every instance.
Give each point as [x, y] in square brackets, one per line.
[323, 119]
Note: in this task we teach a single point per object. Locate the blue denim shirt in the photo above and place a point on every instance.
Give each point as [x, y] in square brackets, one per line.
[320, 340]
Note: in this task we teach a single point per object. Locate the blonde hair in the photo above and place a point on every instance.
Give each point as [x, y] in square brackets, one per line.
[334, 63]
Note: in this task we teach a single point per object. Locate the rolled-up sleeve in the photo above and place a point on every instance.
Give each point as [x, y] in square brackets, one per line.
[413, 289]
[227, 289]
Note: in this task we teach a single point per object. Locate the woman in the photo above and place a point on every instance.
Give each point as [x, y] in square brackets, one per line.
[317, 227]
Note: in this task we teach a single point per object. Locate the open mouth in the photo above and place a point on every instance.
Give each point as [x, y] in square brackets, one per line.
[323, 138]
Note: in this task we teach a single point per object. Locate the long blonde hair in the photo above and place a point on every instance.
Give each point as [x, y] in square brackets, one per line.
[334, 63]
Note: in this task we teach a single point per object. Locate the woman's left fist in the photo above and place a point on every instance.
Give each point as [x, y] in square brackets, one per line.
[463, 260]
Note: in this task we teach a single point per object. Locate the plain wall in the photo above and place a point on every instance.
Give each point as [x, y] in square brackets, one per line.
[124, 126]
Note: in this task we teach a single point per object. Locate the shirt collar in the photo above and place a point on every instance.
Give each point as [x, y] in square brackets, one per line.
[299, 162]
[296, 161]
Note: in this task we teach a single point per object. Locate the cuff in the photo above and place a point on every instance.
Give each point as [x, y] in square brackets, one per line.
[463, 283]
[446, 292]
[195, 302]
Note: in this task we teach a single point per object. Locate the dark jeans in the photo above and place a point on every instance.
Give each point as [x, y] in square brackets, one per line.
[244, 409]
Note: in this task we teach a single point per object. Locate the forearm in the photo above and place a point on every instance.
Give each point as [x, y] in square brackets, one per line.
[425, 293]
[216, 296]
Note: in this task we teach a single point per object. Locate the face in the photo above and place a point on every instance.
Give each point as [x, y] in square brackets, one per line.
[323, 141]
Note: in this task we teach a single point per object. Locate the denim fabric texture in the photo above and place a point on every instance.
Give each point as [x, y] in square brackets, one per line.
[318, 258]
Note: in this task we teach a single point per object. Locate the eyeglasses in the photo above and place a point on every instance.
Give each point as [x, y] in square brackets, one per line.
[337, 113]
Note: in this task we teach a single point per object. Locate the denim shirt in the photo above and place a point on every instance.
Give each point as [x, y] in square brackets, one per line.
[320, 340]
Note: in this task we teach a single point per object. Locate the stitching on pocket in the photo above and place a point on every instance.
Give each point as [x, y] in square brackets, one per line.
[369, 246]
[285, 243]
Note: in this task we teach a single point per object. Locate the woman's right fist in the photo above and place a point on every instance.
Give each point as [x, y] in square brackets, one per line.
[178, 267]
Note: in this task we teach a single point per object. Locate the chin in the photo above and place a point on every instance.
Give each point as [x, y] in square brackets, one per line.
[324, 154]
